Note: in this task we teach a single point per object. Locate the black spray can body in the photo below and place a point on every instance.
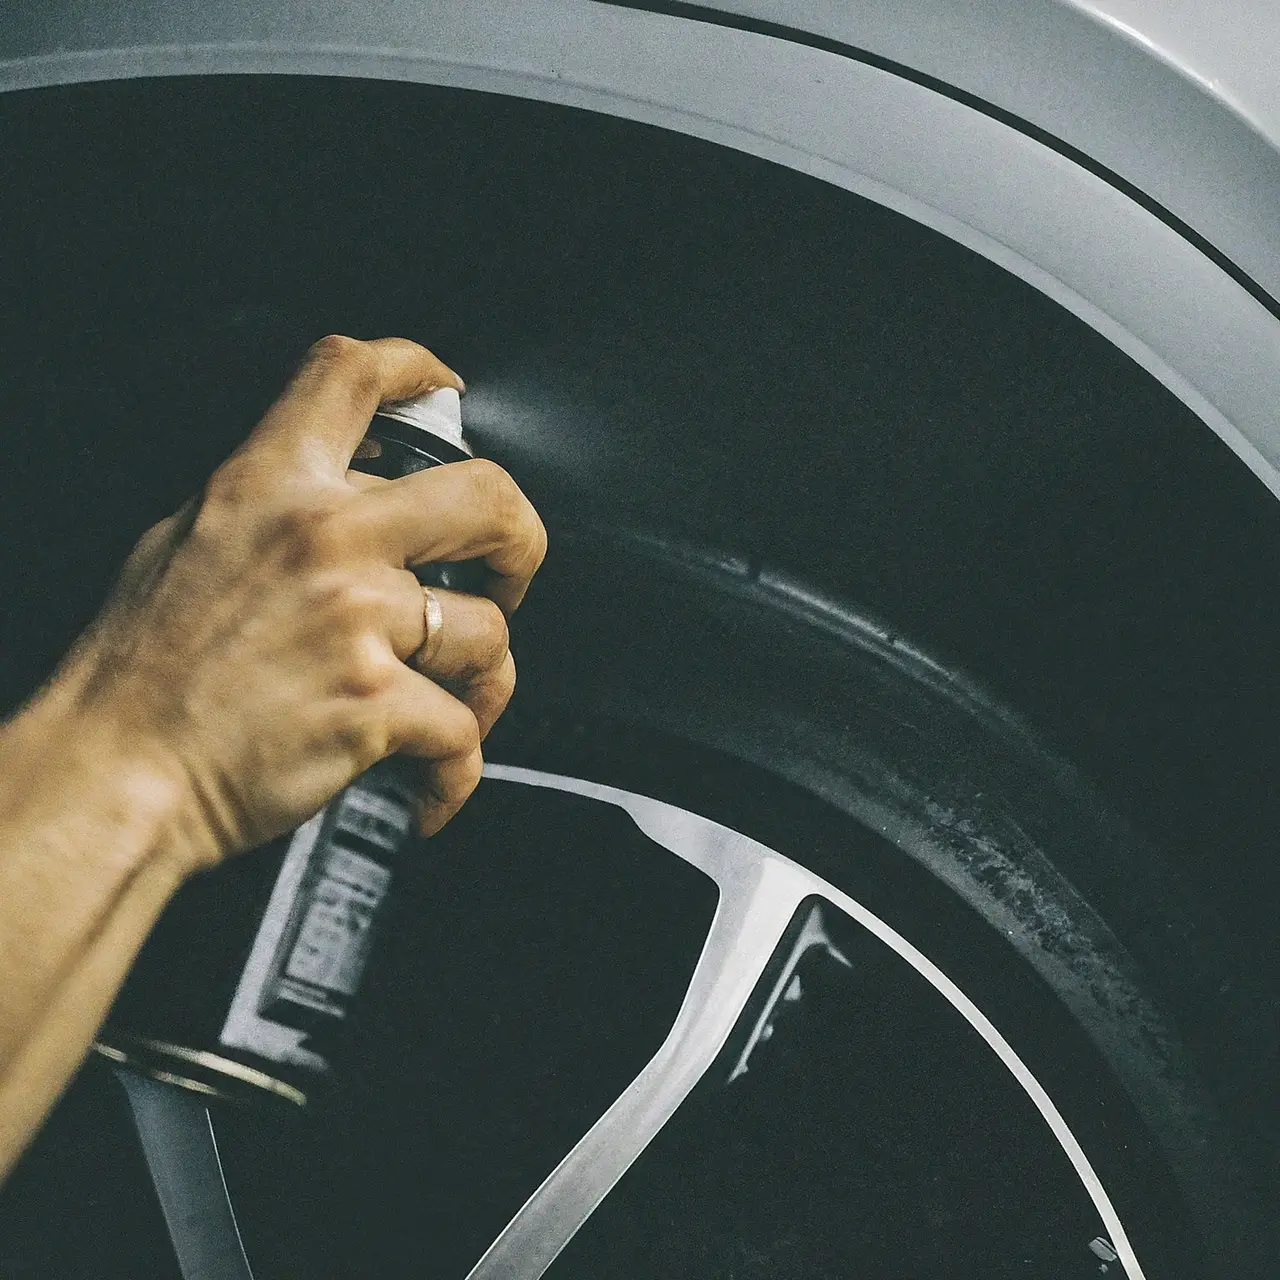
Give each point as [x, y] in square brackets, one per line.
[249, 977]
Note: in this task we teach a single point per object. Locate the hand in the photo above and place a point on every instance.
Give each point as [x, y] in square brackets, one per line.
[257, 643]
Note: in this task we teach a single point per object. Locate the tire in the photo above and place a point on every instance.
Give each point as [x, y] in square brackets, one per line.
[813, 720]
[699, 674]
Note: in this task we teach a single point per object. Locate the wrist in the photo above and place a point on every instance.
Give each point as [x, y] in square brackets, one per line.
[67, 765]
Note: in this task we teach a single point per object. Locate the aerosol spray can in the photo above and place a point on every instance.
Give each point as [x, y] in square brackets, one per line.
[252, 971]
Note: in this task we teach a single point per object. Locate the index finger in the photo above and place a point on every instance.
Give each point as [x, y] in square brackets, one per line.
[326, 408]
[460, 511]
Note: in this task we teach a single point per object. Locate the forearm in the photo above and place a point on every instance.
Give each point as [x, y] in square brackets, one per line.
[91, 842]
[262, 647]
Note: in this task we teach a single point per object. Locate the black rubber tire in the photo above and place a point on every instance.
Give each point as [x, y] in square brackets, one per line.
[790, 688]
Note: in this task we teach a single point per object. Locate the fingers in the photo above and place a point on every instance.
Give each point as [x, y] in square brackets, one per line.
[431, 724]
[488, 695]
[325, 410]
[470, 638]
[468, 652]
[446, 788]
[466, 649]
[462, 511]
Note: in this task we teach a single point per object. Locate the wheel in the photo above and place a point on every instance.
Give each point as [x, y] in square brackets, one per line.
[753, 560]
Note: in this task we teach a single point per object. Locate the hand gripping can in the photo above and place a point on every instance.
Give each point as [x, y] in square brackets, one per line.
[249, 976]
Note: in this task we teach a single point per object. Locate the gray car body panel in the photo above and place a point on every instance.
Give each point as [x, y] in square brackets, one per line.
[1177, 103]
[1181, 98]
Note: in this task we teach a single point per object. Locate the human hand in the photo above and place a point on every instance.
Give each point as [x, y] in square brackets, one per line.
[257, 645]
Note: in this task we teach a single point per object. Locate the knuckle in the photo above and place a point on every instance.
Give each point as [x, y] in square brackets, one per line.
[367, 672]
[333, 348]
[464, 735]
[368, 739]
[224, 498]
[538, 551]
[346, 360]
[498, 689]
[508, 510]
[315, 534]
[156, 536]
[346, 603]
[451, 787]
[214, 520]
[495, 492]
[228, 484]
[493, 639]
[473, 771]
[463, 776]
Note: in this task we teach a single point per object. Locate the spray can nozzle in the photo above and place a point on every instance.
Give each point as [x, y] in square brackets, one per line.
[438, 412]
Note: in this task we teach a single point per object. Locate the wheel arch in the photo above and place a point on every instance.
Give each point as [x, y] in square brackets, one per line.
[980, 180]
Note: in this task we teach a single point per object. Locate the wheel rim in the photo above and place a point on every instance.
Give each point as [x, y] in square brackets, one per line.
[760, 893]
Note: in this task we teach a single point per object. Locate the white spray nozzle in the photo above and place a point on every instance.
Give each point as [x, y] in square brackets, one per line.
[439, 412]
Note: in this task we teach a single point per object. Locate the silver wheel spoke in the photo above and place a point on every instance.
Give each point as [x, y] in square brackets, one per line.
[759, 894]
[182, 1155]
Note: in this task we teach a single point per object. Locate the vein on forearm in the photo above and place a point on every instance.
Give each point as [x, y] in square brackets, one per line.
[79, 844]
[42, 1060]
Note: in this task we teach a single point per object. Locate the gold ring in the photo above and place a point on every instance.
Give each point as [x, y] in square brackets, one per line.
[433, 621]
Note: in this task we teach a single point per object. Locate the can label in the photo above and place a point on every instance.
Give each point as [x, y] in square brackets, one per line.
[332, 946]
[315, 937]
